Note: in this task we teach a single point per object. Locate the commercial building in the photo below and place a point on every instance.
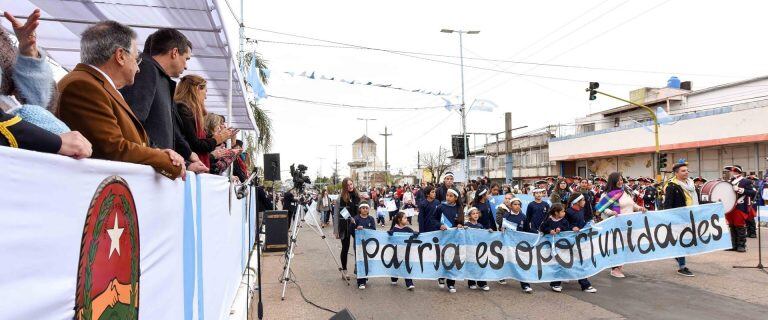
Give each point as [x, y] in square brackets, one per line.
[709, 128]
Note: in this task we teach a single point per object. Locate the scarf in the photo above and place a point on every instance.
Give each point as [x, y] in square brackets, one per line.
[689, 189]
[610, 201]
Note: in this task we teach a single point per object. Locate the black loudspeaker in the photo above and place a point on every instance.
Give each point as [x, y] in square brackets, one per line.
[457, 146]
[271, 167]
[343, 315]
[276, 224]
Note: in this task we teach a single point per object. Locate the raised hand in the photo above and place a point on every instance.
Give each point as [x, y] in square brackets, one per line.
[26, 33]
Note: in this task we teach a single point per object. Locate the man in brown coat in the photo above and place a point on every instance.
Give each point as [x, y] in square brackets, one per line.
[91, 104]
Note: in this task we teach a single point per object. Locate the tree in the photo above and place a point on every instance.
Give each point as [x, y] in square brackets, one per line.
[435, 163]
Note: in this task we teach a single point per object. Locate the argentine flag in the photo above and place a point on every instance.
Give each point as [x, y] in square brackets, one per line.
[445, 221]
[509, 225]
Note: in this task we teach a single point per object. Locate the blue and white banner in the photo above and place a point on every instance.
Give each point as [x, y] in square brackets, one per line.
[525, 199]
[102, 239]
[484, 255]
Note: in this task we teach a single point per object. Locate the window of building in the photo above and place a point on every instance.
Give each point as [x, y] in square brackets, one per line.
[589, 127]
[616, 122]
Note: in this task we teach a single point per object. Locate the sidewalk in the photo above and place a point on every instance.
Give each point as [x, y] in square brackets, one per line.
[652, 290]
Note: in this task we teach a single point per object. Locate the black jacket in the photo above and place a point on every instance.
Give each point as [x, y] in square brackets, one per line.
[151, 99]
[27, 135]
[189, 131]
[674, 196]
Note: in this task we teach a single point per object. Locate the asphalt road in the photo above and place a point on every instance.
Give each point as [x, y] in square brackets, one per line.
[652, 290]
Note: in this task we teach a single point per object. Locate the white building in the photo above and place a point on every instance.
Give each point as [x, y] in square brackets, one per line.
[709, 128]
[365, 168]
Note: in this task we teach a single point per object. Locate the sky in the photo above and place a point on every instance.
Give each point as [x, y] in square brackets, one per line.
[706, 42]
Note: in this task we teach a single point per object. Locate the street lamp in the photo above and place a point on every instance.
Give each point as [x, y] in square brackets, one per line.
[592, 96]
[463, 107]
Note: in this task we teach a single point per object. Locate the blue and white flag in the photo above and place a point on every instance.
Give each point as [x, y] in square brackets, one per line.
[509, 225]
[444, 220]
[483, 105]
[254, 79]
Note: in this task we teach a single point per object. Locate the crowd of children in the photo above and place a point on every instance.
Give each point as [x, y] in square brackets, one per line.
[434, 215]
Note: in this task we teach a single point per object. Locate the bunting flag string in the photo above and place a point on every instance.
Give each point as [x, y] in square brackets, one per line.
[314, 76]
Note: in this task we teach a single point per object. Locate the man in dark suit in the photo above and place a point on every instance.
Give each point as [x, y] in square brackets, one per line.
[91, 104]
[165, 56]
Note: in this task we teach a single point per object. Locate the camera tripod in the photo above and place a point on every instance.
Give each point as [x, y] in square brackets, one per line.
[298, 219]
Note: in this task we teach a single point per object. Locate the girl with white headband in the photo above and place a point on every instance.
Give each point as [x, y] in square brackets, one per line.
[482, 205]
[449, 212]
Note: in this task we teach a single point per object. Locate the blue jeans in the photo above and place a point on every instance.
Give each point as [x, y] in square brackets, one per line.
[680, 262]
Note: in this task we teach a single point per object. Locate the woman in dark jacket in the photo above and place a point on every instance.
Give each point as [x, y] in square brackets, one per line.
[190, 103]
[349, 200]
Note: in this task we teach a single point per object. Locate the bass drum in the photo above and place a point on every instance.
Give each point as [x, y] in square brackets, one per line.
[719, 191]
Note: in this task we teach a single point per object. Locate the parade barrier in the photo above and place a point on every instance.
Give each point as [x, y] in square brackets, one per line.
[102, 239]
[482, 255]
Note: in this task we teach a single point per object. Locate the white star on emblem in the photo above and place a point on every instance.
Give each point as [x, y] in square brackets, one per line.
[114, 237]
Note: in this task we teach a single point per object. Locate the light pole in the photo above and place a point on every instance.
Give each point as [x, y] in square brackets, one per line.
[336, 161]
[463, 106]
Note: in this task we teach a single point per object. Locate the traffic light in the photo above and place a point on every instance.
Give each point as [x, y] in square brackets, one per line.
[662, 161]
[592, 87]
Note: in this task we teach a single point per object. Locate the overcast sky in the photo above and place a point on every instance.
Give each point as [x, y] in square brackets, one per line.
[706, 42]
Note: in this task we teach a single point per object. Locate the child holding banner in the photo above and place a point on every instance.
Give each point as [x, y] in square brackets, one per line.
[509, 216]
[400, 226]
[449, 215]
[483, 206]
[554, 224]
[474, 216]
[363, 221]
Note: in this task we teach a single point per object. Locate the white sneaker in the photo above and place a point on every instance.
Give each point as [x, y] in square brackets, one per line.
[451, 289]
[557, 288]
[411, 287]
[590, 290]
[485, 288]
[473, 287]
[616, 273]
[502, 281]
[441, 283]
[394, 283]
[361, 287]
[528, 289]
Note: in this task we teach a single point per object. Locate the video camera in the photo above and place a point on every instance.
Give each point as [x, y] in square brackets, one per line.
[299, 177]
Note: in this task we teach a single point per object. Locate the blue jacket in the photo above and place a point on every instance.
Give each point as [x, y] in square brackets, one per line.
[518, 219]
[549, 225]
[486, 215]
[405, 229]
[575, 217]
[477, 225]
[427, 215]
[451, 213]
[535, 215]
[367, 223]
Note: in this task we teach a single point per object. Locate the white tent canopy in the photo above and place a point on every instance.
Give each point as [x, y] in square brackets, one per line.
[63, 21]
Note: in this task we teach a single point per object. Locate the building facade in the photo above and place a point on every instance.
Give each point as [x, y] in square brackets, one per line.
[708, 128]
[365, 168]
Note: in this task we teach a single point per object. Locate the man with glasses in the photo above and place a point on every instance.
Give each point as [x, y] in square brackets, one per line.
[91, 103]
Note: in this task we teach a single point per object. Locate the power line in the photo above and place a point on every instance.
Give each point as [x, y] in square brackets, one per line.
[350, 106]
[540, 64]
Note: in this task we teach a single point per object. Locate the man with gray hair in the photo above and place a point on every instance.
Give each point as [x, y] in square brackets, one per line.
[91, 104]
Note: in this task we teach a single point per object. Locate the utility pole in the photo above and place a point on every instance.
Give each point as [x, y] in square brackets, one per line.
[336, 168]
[386, 162]
[463, 105]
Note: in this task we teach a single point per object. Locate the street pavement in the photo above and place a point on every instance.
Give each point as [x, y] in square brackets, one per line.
[652, 290]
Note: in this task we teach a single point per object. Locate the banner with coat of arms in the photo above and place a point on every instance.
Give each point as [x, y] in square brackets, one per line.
[93, 239]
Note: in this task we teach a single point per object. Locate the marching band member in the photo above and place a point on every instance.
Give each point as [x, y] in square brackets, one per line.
[699, 182]
[738, 216]
[649, 195]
